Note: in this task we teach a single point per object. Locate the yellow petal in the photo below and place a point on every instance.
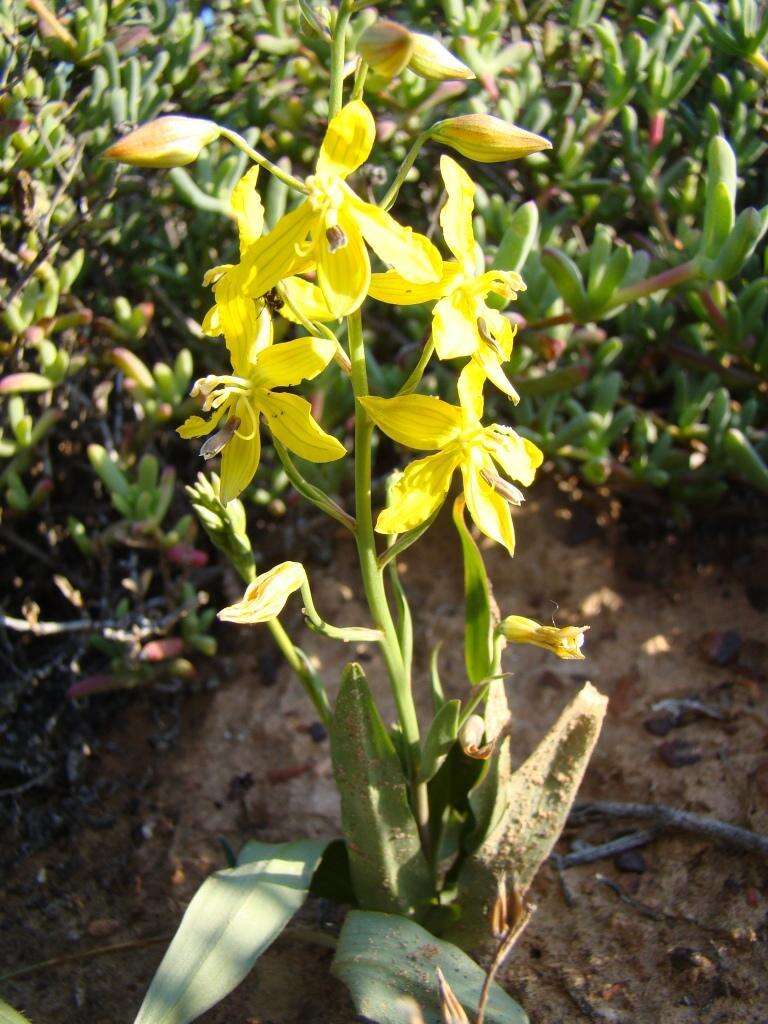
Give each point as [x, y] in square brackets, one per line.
[238, 316]
[289, 417]
[395, 289]
[291, 362]
[518, 457]
[470, 388]
[488, 509]
[419, 492]
[488, 362]
[265, 598]
[417, 421]
[196, 426]
[348, 141]
[281, 252]
[247, 208]
[454, 326]
[264, 334]
[456, 214]
[409, 253]
[240, 458]
[344, 275]
[307, 299]
[212, 276]
[211, 325]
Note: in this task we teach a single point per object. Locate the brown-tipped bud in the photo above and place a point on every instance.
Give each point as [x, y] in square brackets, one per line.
[499, 920]
[431, 59]
[165, 142]
[487, 139]
[471, 738]
[386, 46]
[450, 1008]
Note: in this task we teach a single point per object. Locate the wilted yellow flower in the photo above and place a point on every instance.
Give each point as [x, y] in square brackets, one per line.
[238, 400]
[566, 641]
[460, 441]
[431, 59]
[386, 46]
[487, 139]
[463, 324]
[265, 598]
[330, 229]
[171, 141]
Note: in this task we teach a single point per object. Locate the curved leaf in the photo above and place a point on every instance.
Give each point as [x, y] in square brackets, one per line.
[233, 917]
[389, 964]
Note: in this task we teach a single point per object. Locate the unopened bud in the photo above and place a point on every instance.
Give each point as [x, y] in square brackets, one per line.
[450, 1008]
[566, 642]
[431, 59]
[386, 46]
[471, 736]
[487, 139]
[171, 141]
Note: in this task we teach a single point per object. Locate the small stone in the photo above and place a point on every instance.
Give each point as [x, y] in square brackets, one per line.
[631, 861]
[318, 732]
[679, 754]
[659, 725]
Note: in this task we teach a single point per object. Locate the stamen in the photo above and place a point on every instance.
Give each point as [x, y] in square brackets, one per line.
[503, 487]
[217, 441]
[486, 335]
[336, 238]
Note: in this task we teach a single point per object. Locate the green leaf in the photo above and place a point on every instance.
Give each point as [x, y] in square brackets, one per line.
[233, 917]
[539, 796]
[439, 739]
[10, 1016]
[389, 871]
[478, 636]
[389, 965]
[489, 797]
[436, 686]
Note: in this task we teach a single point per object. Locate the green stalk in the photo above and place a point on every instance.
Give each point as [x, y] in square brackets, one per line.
[337, 58]
[310, 682]
[262, 161]
[373, 580]
[402, 174]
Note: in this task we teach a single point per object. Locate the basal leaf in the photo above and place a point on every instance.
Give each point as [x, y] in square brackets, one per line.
[10, 1016]
[389, 870]
[440, 738]
[389, 964]
[233, 917]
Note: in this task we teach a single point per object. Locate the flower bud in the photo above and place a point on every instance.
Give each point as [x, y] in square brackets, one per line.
[565, 642]
[170, 141]
[386, 46]
[487, 139]
[430, 59]
[265, 598]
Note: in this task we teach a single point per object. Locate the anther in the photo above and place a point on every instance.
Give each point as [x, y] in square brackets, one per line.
[486, 335]
[336, 238]
[503, 487]
[217, 441]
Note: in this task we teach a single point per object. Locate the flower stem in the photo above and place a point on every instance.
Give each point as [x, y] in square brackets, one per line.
[337, 57]
[402, 174]
[311, 683]
[373, 580]
[262, 161]
[660, 282]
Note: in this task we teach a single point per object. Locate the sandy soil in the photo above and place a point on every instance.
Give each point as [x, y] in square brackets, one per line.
[684, 939]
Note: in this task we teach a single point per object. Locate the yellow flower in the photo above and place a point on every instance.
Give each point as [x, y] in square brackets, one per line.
[460, 441]
[265, 598]
[565, 641]
[462, 324]
[237, 400]
[330, 229]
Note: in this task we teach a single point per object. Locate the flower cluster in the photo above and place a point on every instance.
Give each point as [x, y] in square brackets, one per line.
[326, 238]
